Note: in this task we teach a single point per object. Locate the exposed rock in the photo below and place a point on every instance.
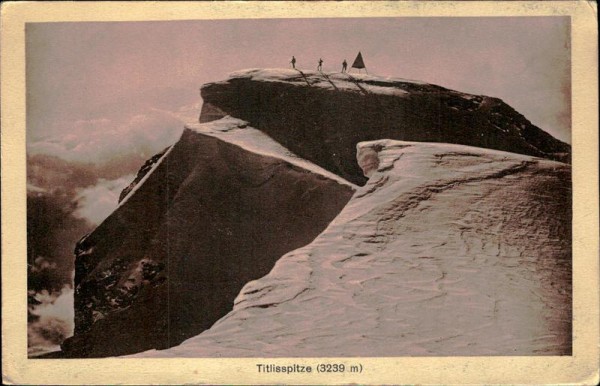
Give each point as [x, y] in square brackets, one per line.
[214, 212]
[447, 250]
[321, 117]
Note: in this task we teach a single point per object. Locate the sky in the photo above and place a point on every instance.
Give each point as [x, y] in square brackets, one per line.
[98, 90]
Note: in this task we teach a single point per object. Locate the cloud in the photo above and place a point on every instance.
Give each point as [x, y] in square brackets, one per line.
[95, 203]
[41, 264]
[53, 320]
[55, 306]
[102, 140]
[187, 113]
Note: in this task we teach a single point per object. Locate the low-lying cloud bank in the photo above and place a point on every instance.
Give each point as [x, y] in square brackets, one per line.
[99, 141]
[95, 203]
[50, 320]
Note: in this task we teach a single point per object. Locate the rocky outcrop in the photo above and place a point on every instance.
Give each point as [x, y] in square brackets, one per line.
[447, 250]
[321, 117]
[215, 211]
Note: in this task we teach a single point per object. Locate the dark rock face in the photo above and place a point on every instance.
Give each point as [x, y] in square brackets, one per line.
[170, 260]
[322, 117]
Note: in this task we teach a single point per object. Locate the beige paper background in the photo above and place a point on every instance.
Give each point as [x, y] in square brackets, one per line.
[580, 368]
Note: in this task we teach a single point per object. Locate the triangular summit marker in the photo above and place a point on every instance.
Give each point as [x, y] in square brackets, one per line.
[359, 62]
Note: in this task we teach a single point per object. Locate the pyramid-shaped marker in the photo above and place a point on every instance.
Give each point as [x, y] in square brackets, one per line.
[359, 62]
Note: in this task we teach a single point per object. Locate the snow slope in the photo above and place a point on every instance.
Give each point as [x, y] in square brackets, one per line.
[237, 132]
[447, 250]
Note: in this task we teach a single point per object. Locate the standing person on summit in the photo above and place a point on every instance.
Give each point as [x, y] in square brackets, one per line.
[293, 62]
[344, 66]
[320, 66]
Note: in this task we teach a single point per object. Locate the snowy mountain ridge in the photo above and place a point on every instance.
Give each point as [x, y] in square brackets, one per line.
[236, 131]
[397, 273]
[313, 214]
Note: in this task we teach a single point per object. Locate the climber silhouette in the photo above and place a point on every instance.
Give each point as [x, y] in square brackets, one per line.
[344, 65]
[293, 62]
[320, 66]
